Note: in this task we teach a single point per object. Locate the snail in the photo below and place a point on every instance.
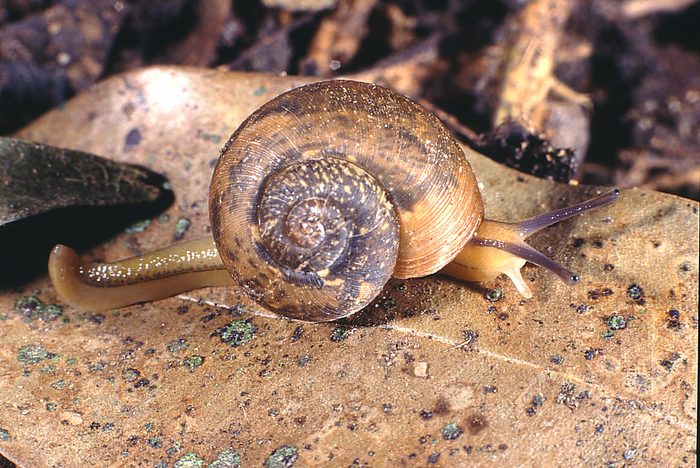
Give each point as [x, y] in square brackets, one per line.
[317, 199]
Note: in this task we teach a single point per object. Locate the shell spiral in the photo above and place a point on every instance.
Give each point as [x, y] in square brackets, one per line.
[328, 190]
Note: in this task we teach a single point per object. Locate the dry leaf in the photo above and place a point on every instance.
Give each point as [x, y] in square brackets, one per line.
[437, 372]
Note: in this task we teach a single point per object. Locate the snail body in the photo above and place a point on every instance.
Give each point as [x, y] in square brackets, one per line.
[317, 199]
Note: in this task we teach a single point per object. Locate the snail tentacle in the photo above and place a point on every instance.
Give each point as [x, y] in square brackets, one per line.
[500, 248]
[529, 226]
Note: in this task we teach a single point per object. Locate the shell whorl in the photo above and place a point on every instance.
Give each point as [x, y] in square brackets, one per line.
[309, 167]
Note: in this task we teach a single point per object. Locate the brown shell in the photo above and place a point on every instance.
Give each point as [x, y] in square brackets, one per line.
[405, 152]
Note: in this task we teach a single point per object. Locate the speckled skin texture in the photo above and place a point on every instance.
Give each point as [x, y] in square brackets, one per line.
[328, 190]
[149, 277]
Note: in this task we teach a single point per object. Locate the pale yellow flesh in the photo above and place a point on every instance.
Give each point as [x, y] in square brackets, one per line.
[196, 264]
[496, 248]
[477, 263]
[156, 275]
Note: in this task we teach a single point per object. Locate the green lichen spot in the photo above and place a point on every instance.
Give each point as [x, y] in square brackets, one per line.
[189, 460]
[97, 366]
[33, 353]
[635, 292]
[283, 457]
[176, 447]
[227, 459]
[304, 360]
[607, 334]
[130, 375]
[214, 138]
[180, 344]
[237, 310]
[237, 333]
[193, 362]
[340, 333]
[616, 322]
[5, 435]
[451, 431]
[164, 218]
[538, 400]
[33, 308]
[50, 406]
[387, 304]
[181, 227]
[138, 227]
[154, 441]
[59, 384]
[493, 295]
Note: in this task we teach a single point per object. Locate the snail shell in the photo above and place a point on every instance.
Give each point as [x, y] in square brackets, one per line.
[328, 190]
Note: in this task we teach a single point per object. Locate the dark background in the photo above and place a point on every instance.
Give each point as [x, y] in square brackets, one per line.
[642, 71]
